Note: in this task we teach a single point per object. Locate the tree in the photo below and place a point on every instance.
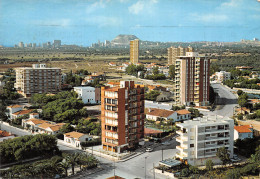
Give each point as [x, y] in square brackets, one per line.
[152, 95]
[209, 165]
[156, 70]
[233, 173]
[242, 100]
[239, 92]
[72, 159]
[64, 165]
[223, 155]
[172, 71]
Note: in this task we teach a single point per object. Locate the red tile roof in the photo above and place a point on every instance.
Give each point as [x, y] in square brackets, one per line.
[148, 131]
[23, 112]
[183, 111]
[74, 135]
[160, 112]
[243, 129]
[14, 106]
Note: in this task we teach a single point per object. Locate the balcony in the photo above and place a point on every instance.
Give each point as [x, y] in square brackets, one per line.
[181, 148]
[182, 155]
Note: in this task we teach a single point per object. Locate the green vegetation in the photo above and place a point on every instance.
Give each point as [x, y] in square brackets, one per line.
[62, 107]
[87, 126]
[73, 79]
[27, 147]
[133, 69]
[8, 92]
[238, 81]
[209, 165]
[223, 155]
[176, 108]
[156, 77]
[247, 146]
[195, 113]
[152, 95]
[172, 71]
[50, 168]
[91, 143]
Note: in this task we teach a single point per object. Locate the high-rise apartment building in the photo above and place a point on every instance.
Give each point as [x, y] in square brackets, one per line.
[174, 52]
[21, 45]
[56, 43]
[200, 139]
[134, 51]
[122, 116]
[192, 79]
[37, 79]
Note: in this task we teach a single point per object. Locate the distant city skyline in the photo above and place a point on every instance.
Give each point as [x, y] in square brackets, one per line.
[85, 22]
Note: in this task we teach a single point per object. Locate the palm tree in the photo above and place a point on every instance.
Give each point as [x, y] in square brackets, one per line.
[64, 165]
[72, 160]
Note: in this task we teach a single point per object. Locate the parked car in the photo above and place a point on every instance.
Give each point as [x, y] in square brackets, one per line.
[149, 150]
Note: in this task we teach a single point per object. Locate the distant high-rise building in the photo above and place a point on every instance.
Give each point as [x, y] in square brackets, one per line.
[56, 43]
[122, 116]
[49, 44]
[134, 51]
[34, 45]
[37, 79]
[21, 45]
[192, 79]
[174, 52]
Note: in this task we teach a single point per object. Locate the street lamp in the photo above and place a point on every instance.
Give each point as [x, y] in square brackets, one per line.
[145, 167]
[114, 169]
[162, 153]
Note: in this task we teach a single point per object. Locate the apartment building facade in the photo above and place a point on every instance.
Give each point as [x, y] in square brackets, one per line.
[134, 51]
[88, 94]
[200, 139]
[122, 116]
[174, 52]
[192, 80]
[38, 79]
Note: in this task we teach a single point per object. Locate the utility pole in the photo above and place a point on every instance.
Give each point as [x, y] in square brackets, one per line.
[153, 171]
[145, 167]
[114, 169]
[162, 153]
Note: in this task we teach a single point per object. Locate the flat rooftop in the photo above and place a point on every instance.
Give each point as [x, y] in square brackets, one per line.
[205, 120]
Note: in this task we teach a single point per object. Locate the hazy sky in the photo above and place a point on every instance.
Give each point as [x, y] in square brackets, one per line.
[83, 22]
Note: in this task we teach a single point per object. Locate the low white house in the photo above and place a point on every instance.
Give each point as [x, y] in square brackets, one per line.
[75, 138]
[49, 128]
[13, 108]
[155, 114]
[32, 123]
[243, 132]
[88, 94]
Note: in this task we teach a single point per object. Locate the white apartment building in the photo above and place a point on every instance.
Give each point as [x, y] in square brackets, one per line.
[200, 139]
[223, 76]
[88, 94]
[37, 79]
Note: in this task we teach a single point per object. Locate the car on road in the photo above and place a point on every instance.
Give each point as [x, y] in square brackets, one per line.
[166, 143]
[149, 150]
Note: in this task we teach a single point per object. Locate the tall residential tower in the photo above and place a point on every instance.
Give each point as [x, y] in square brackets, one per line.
[134, 51]
[174, 52]
[122, 116]
[192, 79]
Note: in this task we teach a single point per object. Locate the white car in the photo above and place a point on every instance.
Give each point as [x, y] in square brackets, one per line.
[149, 150]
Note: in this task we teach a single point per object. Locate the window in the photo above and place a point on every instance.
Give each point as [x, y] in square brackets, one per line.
[191, 145]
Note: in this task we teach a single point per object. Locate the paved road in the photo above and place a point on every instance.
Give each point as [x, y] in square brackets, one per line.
[135, 167]
[226, 101]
